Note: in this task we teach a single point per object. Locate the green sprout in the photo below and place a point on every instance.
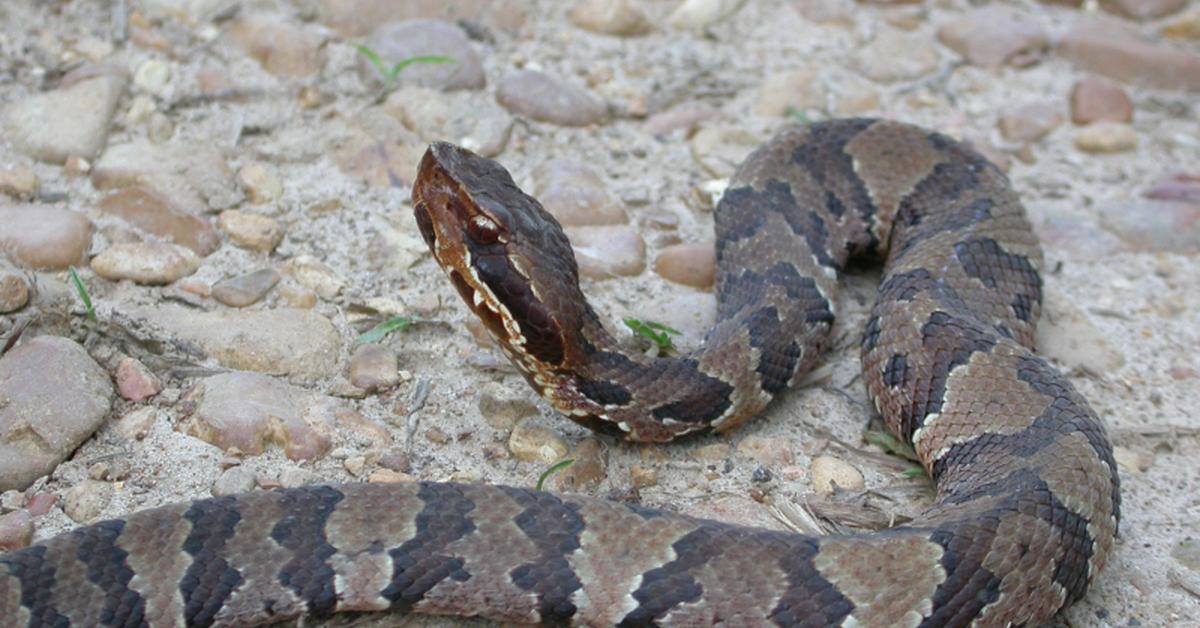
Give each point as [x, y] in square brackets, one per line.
[83, 293]
[554, 468]
[896, 447]
[798, 114]
[381, 331]
[390, 72]
[657, 332]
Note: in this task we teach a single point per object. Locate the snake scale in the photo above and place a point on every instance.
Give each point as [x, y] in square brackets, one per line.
[1027, 490]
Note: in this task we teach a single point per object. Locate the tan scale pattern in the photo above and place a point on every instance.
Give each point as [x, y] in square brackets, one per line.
[1028, 496]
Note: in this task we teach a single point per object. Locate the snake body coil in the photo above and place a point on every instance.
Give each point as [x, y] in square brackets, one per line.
[1027, 501]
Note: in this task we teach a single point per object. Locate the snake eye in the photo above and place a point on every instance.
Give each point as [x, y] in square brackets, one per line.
[483, 230]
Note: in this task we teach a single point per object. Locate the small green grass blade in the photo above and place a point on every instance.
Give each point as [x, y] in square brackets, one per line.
[658, 333]
[381, 331]
[83, 293]
[554, 468]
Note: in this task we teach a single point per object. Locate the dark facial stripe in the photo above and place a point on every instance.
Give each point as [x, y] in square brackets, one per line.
[308, 573]
[554, 526]
[107, 569]
[37, 576]
[420, 563]
[810, 599]
[209, 580]
[543, 338]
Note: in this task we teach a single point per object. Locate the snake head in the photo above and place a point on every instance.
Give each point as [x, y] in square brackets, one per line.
[507, 256]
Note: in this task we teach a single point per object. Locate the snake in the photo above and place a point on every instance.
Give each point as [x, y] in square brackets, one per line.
[1027, 492]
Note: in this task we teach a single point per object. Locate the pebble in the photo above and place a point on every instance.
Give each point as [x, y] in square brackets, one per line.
[153, 76]
[699, 14]
[1132, 461]
[358, 17]
[1118, 53]
[996, 35]
[588, 471]
[260, 182]
[720, 148]
[234, 481]
[282, 48]
[16, 530]
[1094, 99]
[137, 423]
[147, 263]
[242, 413]
[531, 443]
[604, 252]
[624, 18]
[388, 476]
[293, 342]
[295, 477]
[478, 123]
[395, 459]
[1067, 335]
[831, 474]
[544, 98]
[642, 477]
[55, 396]
[247, 289]
[766, 450]
[44, 238]
[684, 117]
[86, 500]
[797, 90]
[1186, 26]
[396, 41]
[688, 264]
[113, 470]
[251, 231]
[194, 176]
[894, 56]
[1187, 552]
[19, 183]
[74, 120]
[1143, 9]
[313, 274]
[14, 292]
[1029, 122]
[135, 382]
[503, 407]
[1151, 225]
[1180, 187]
[374, 367]
[1106, 137]
[575, 195]
[154, 212]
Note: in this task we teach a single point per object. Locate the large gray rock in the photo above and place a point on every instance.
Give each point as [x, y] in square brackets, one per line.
[398, 41]
[53, 396]
[69, 121]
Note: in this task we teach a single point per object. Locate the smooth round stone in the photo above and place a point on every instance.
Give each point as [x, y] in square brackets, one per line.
[154, 212]
[283, 48]
[894, 56]
[16, 530]
[234, 481]
[374, 367]
[251, 231]
[135, 382]
[73, 120]
[623, 18]
[996, 35]
[689, 264]
[1106, 137]
[699, 14]
[260, 182]
[576, 195]
[532, 443]
[14, 292]
[589, 469]
[44, 238]
[831, 474]
[148, 263]
[21, 183]
[1094, 99]
[608, 251]
[245, 289]
[86, 500]
[396, 41]
[548, 99]
[313, 274]
[1029, 122]
[55, 396]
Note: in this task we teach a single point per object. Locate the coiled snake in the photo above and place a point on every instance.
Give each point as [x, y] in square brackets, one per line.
[1027, 490]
